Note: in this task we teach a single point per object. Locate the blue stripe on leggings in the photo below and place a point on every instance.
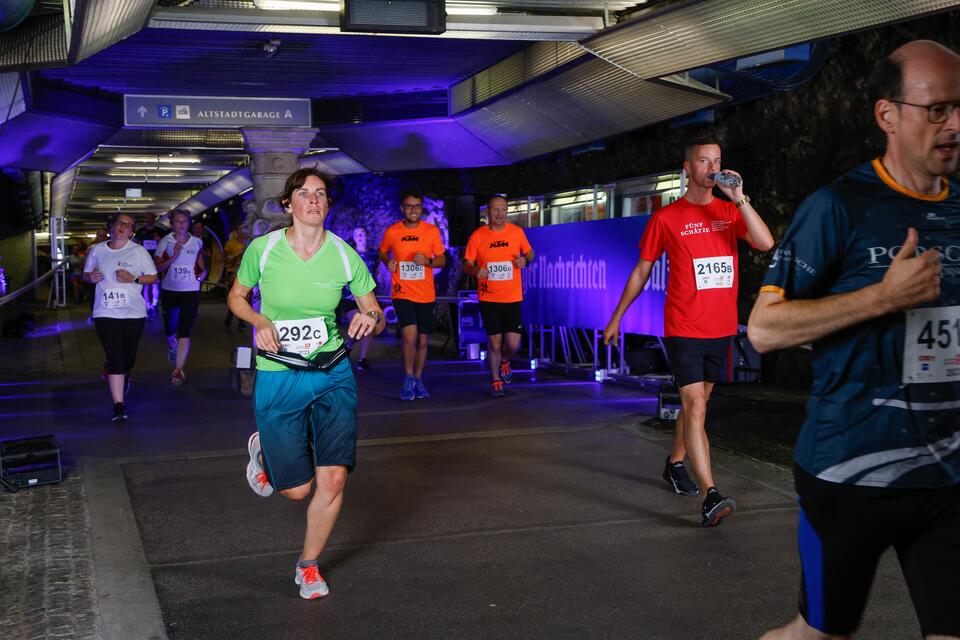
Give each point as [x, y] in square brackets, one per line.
[811, 559]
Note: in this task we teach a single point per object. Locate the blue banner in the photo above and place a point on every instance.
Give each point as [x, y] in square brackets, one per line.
[580, 271]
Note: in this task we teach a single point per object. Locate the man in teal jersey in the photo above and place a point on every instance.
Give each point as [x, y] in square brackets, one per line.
[306, 418]
[869, 272]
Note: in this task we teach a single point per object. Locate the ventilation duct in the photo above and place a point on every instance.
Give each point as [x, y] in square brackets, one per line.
[13, 12]
[84, 28]
[698, 34]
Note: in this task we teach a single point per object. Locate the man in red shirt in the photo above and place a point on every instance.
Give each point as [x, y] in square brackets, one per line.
[412, 249]
[699, 234]
[496, 254]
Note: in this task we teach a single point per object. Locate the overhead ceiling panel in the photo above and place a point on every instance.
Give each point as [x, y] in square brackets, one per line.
[590, 101]
[100, 23]
[11, 96]
[48, 143]
[235, 64]
[701, 33]
[416, 144]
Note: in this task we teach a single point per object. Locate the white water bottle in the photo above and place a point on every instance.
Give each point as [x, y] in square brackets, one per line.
[726, 179]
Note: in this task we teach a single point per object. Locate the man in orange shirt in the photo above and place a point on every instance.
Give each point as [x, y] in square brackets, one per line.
[495, 255]
[411, 249]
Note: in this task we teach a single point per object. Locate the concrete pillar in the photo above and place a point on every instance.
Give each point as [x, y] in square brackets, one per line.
[274, 155]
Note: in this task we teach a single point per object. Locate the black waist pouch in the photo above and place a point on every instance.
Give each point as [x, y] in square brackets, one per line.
[322, 362]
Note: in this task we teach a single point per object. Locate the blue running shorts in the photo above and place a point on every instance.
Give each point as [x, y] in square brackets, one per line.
[306, 419]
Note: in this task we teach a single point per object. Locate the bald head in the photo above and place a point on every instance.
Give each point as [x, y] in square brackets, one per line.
[917, 94]
[912, 66]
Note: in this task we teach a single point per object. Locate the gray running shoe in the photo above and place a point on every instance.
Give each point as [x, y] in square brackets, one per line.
[256, 476]
[312, 585]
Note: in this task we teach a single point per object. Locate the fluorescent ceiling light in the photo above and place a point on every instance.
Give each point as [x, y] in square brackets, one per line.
[144, 174]
[159, 159]
[296, 5]
[470, 10]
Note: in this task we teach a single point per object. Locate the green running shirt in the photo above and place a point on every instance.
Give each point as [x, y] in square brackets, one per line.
[291, 289]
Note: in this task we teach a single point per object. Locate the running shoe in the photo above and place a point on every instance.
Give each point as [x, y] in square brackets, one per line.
[421, 389]
[363, 365]
[676, 476]
[256, 476]
[312, 585]
[505, 374]
[716, 508]
[409, 389]
[119, 413]
[496, 389]
[178, 377]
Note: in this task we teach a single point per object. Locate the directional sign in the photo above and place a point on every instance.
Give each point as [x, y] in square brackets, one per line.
[214, 112]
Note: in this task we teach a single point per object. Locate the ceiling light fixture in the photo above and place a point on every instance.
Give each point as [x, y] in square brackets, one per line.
[158, 159]
[470, 10]
[296, 5]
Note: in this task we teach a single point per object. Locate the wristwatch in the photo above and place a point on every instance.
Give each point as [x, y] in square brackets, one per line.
[376, 315]
[742, 201]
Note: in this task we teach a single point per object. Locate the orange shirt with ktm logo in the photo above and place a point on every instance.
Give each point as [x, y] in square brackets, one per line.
[496, 251]
[411, 281]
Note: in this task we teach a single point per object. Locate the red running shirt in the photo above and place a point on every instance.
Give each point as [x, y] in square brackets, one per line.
[701, 246]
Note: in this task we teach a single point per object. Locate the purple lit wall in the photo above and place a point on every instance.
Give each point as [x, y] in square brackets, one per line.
[372, 201]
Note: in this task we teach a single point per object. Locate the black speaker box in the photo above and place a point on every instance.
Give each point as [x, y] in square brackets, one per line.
[393, 16]
[30, 461]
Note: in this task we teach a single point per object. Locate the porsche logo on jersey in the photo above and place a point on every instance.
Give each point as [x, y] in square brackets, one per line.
[499, 243]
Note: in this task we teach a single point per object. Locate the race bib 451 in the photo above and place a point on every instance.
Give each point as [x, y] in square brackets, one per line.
[931, 345]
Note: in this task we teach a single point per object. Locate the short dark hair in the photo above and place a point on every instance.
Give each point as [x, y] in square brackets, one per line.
[701, 141]
[410, 193]
[886, 81]
[112, 220]
[298, 178]
[181, 212]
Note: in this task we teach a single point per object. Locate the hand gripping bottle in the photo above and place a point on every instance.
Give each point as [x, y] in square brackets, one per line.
[726, 179]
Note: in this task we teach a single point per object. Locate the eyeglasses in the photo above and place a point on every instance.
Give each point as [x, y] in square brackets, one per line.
[936, 113]
[411, 207]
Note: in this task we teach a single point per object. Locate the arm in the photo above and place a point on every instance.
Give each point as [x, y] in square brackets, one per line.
[758, 235]
[370, 320]
[384, 257]
[203, 267]
[471, 268]
[778, 323]
[237, 301]
[523, 259]
[631, 291]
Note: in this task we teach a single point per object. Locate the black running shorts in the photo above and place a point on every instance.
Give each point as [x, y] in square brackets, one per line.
[696, 359]
[501, 317]
[844, 529]
[419, 313]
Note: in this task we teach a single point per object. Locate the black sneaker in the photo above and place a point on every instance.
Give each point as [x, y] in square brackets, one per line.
[676, 476]
[716, 508]
[119, 412]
